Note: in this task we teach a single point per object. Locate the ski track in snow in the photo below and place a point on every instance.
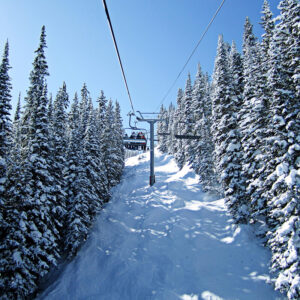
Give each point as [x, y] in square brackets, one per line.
[169, 241]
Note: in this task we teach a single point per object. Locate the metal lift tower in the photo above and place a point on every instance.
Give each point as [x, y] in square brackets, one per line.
[151, 121]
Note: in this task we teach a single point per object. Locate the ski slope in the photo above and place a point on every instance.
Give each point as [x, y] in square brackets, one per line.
[169, 241]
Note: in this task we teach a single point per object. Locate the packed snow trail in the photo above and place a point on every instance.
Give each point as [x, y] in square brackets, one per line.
[169, 241]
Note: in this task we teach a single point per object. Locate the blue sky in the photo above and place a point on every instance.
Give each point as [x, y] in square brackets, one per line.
[155, 38]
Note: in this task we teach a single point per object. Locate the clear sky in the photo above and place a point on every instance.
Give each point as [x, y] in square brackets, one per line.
[155, 38]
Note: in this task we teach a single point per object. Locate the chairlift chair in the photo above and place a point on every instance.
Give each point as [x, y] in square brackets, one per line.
[137, 139]
[187, 136]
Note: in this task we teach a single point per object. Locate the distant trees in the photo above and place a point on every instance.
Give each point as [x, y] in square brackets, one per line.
[248, 122]
[54, 174]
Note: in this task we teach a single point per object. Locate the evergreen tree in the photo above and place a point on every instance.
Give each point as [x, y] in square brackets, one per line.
[171, 140]
[5, 106]
[5, 126]
[17, 117]
[202, 160]
[260, 106]
[198, 94]
[188, 121]
[162, 128]
[34, 235]
[93, 165]
[282, 169]
[83, 108]
[100, 117]
[251, 104]
[118, 137]
[14, 187]
[177, 129]
[77, 217]
[101, 113]
[226, 136]
[5, 143]
[110, 151]
[59, 150]
[268, 25]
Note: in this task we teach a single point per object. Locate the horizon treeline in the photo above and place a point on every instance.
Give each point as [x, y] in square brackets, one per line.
[57, 166]
[246, 124]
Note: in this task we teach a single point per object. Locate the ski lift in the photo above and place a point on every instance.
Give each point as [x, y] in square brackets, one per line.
[136, 141]
[187, 136]
[137, 138]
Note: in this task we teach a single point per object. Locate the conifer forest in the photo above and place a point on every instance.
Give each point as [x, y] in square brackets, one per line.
[247, 120]
[239, 130]
[57, 166]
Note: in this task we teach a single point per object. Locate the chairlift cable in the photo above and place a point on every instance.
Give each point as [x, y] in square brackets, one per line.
[117, 50]
[193, 52]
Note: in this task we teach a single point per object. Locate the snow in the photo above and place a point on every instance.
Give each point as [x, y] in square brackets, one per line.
[233, 147]
[17, 258]
[282, 169]
[278, 119]
[169, 241]
[291, 179]
[22, 225]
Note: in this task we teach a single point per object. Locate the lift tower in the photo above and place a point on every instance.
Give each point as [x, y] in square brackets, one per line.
[151, 121]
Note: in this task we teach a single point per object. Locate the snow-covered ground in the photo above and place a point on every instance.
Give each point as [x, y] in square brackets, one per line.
[169, 241]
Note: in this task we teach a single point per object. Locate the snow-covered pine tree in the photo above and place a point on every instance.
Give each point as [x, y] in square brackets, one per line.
[5, 123]
[268, 25]
[5, 126]
[110, 151]
[41, 199]
[205, 164]
[177, 129]
[93, 165]
[249, 120]
[15, 155]
[203, 148]
[171, 140]
[42, 202]
[58, 119]
[83, 108]
[198, 110]
[225, 136]
[188, 121]
[5, 107]
[100, 117]
[101, 114]
[162, 128]
[5, 143]
[261, 115]
[85, 113]
[35, 204]
[159, 127]
[282, 186]
[77, 216]
[16, 281]
[17, 117]
[13, 185]
[118, 137]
